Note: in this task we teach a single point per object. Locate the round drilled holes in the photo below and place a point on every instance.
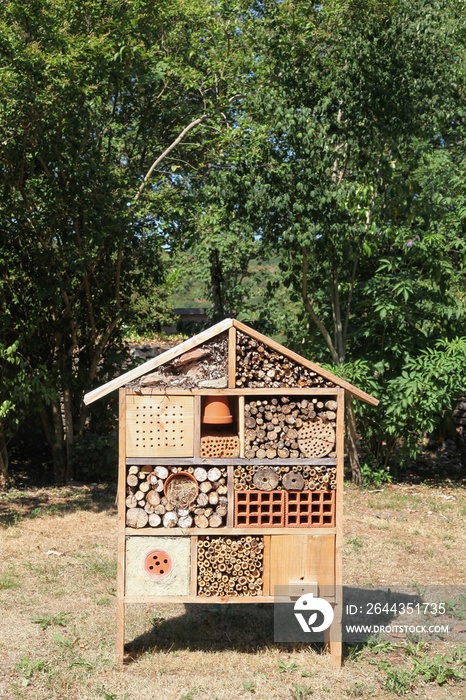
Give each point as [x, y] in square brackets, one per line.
[158, 563]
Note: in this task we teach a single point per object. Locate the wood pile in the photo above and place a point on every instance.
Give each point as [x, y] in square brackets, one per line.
[258, 366]
[290, 478]
[289, 428]
[204, 367]
[230, 566]
[200, 501]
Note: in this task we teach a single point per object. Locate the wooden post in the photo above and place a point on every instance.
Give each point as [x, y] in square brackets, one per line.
[120, 645]
[241, 425]
[232, 358]
[336, 643]
[197, 426]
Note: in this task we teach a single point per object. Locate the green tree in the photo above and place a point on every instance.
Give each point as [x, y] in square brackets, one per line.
[346, 102]
[97, 103]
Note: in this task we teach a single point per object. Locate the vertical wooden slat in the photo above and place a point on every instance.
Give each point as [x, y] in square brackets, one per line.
[120, 644]
[231, 495]
[266, 568]
[197, 425]
[335, 643]
[194, 566]
[232, 358]
[241, 425]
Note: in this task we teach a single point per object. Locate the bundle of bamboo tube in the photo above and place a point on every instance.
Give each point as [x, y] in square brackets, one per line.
[197, 502]
[257, 365]
[230, 566]
[289, 428]
[292, 478]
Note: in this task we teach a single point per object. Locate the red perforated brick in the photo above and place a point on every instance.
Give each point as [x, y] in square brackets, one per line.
[260, 508]
[310, 509]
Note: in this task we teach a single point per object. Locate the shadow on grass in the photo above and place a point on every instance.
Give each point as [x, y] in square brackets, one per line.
[17, 505]
[247, 628]
[368, 615]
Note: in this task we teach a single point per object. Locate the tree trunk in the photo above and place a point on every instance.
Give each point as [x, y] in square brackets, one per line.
[54, 434]
[338, 353]
[352, 442]
[69, 432]
[4, 461]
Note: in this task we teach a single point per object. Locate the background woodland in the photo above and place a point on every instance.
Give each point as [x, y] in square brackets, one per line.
[300, 167]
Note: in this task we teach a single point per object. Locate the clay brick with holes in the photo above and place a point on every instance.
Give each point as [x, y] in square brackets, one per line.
[310, 509]
[260, 508]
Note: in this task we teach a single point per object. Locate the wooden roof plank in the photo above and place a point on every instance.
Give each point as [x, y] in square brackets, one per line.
[206, 335]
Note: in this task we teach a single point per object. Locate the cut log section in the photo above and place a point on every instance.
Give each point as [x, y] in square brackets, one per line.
[266, 479]
[293, 481]
[136, 517]
[316, 439]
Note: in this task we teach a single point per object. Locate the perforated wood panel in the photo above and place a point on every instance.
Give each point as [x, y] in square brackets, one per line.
[159, 426]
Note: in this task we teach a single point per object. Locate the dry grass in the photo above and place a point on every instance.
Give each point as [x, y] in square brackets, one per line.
[57, 599]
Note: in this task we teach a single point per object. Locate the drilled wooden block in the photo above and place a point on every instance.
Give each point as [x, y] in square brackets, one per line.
[221, 445]
[310, 509]
[316, 439]
[260, 508]
[159, 426]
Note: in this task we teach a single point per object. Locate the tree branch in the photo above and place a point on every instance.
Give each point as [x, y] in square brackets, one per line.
[170, 148]
[175, 143]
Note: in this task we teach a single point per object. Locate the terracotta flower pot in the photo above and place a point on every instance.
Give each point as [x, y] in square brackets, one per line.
[217, 411]
[181, 489]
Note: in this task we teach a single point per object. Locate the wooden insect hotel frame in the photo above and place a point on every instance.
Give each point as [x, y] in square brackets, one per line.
[231, 453]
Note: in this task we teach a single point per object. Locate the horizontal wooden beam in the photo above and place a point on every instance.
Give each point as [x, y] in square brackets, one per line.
[258, 392]
[227, 531]
[187, 461]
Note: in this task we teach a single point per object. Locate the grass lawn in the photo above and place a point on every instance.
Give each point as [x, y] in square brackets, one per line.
[58, 609]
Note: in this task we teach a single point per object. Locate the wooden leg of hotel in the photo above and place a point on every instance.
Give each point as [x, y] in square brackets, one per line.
[336, 654]
[120, 642]
[332, 640]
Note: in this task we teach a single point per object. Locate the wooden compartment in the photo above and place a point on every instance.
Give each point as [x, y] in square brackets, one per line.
[230, 566]
[220, 440]
[159, 426]
[201, 500]
[289, 427]
[307, 558]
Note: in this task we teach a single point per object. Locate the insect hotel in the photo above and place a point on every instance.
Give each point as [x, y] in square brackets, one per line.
[230, 475]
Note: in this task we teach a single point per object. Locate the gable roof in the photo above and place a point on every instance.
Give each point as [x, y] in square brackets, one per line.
[206, 335]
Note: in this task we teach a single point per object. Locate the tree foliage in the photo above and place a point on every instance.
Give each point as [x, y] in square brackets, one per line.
[325, 138]
[91, 94]
[354, 111]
